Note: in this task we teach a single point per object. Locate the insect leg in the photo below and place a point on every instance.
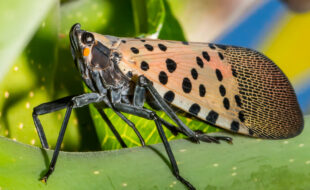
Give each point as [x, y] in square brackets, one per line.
[175, 167]
[132, 125]
[47, 108]
[111, 126]
[148, 114]
[143, 81]
[69, 103]
[58, 144]
[201, 136]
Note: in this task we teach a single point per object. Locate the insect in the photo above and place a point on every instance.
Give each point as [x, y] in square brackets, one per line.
[234, 88]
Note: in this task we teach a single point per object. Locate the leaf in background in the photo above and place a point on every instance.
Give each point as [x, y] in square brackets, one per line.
[19, 21]
[171, 29]
[247, 164]
[148, 17]
[31, 82]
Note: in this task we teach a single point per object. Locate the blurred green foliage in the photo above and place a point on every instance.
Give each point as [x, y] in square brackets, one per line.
[45, 71]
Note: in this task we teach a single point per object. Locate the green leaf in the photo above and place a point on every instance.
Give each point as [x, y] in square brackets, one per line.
[247, 164]
[30, 82]
[171, 29]
[148, 17]
[19, 21]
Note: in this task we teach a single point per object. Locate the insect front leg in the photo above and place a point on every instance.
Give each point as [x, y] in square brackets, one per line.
[148, 114]
[44, 109]
[69, 103]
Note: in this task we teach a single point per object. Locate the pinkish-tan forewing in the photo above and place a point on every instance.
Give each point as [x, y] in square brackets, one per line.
[234, 88]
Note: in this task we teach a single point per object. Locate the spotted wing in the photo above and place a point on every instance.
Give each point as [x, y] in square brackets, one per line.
[231, 87]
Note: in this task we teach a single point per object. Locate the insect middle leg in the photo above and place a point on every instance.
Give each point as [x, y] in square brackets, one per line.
[111, 126]
[69, 103]
[131, 124]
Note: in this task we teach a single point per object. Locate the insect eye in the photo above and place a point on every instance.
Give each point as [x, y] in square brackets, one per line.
[88, 38]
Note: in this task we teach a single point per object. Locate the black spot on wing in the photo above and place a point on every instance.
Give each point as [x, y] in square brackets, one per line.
[169, 96]
[221, 55]
[226, 103]
[163, 77]
[124, 41]
[202, 90]
[238, 100]
[194, 109]
[199, 62]
[194, 73]
[212, 117]
[212, 46]
[222, 90]
[219, 75]
[171, 65]
[206, 55]
[241, 116]
[134, 50]
[162, 47]
[186, 85]
[144, 66]
[234, 126]
[223, 47]
[148, 47]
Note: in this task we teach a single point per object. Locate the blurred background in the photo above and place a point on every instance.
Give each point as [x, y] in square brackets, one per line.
[36, 64]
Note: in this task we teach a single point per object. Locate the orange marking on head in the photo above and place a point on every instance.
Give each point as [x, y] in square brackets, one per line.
[86, 52]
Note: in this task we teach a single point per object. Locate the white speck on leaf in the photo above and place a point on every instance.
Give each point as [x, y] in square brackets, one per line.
[182, 150]
[27, 105]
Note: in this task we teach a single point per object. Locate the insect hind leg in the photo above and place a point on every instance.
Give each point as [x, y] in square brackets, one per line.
[209, 139]
[200, 135]
[148, 114]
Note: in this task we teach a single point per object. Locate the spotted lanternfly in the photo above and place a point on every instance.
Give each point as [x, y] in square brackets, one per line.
[234, 88]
